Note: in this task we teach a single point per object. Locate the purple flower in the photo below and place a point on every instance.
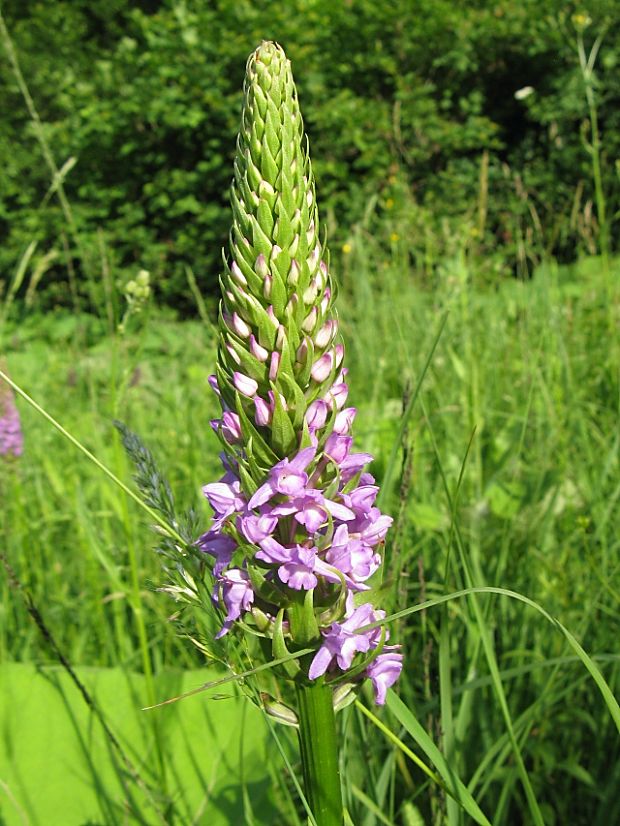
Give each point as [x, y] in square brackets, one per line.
[373, 527]
[220, 546]
[237, 596]
[256, 528]
[384, 671]
[341, 643]
[361, 499]
[352, 464]
[297, 565]
[337, 447]
[311, 509]
[11, 436]
[229, 425]
[351, 556]
[225, 498]
[297, 573]
[287, 477]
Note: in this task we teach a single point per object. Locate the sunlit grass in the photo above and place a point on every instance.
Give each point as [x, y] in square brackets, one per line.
[510, 479]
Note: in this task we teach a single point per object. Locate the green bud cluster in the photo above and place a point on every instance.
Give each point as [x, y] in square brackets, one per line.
[276, 316]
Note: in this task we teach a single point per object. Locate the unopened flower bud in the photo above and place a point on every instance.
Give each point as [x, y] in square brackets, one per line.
[344, 420]
[322, 367]
[316, 414]
[263, 413]
[245, 385]
[233, 354]
[292, 303]
[261, 267]
[267, 286]
[325, 300]
[214, 385]
[272, 316]
[257, 351]
[280, 337]
[311, 292]
[302, 351]
[293, 273]
[274, 365]
[324, 335]
[239, 326]
[237, 275]
[309, 322]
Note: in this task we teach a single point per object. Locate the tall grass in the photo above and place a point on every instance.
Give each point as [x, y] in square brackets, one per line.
[512, 451]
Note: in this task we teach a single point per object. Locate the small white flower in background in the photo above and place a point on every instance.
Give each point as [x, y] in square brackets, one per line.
[523, 93]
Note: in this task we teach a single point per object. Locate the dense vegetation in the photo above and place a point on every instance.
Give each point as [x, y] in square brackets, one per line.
[410, 113]
[501, 469]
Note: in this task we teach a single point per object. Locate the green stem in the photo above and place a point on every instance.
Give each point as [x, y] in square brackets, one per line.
[319, 753]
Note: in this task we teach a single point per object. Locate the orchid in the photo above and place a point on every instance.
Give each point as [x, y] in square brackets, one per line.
[295, 535]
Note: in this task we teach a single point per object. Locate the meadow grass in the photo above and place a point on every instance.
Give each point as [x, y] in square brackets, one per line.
[501, 470]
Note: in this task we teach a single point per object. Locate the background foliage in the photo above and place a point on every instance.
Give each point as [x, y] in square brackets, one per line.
[409, 112]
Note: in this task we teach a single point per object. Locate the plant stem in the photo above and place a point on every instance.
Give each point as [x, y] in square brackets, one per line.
[319, 753]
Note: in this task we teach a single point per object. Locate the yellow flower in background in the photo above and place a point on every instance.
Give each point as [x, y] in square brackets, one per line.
[581, 20]
[394, 236]
[346, 248]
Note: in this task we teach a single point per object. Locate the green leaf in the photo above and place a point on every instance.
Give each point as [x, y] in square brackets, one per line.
[61, 769]
[453, 784]
[283, 435]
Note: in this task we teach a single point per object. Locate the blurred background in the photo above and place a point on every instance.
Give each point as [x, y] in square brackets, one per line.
[467, 159]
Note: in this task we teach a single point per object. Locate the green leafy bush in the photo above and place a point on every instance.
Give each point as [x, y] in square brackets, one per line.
[410, 112]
